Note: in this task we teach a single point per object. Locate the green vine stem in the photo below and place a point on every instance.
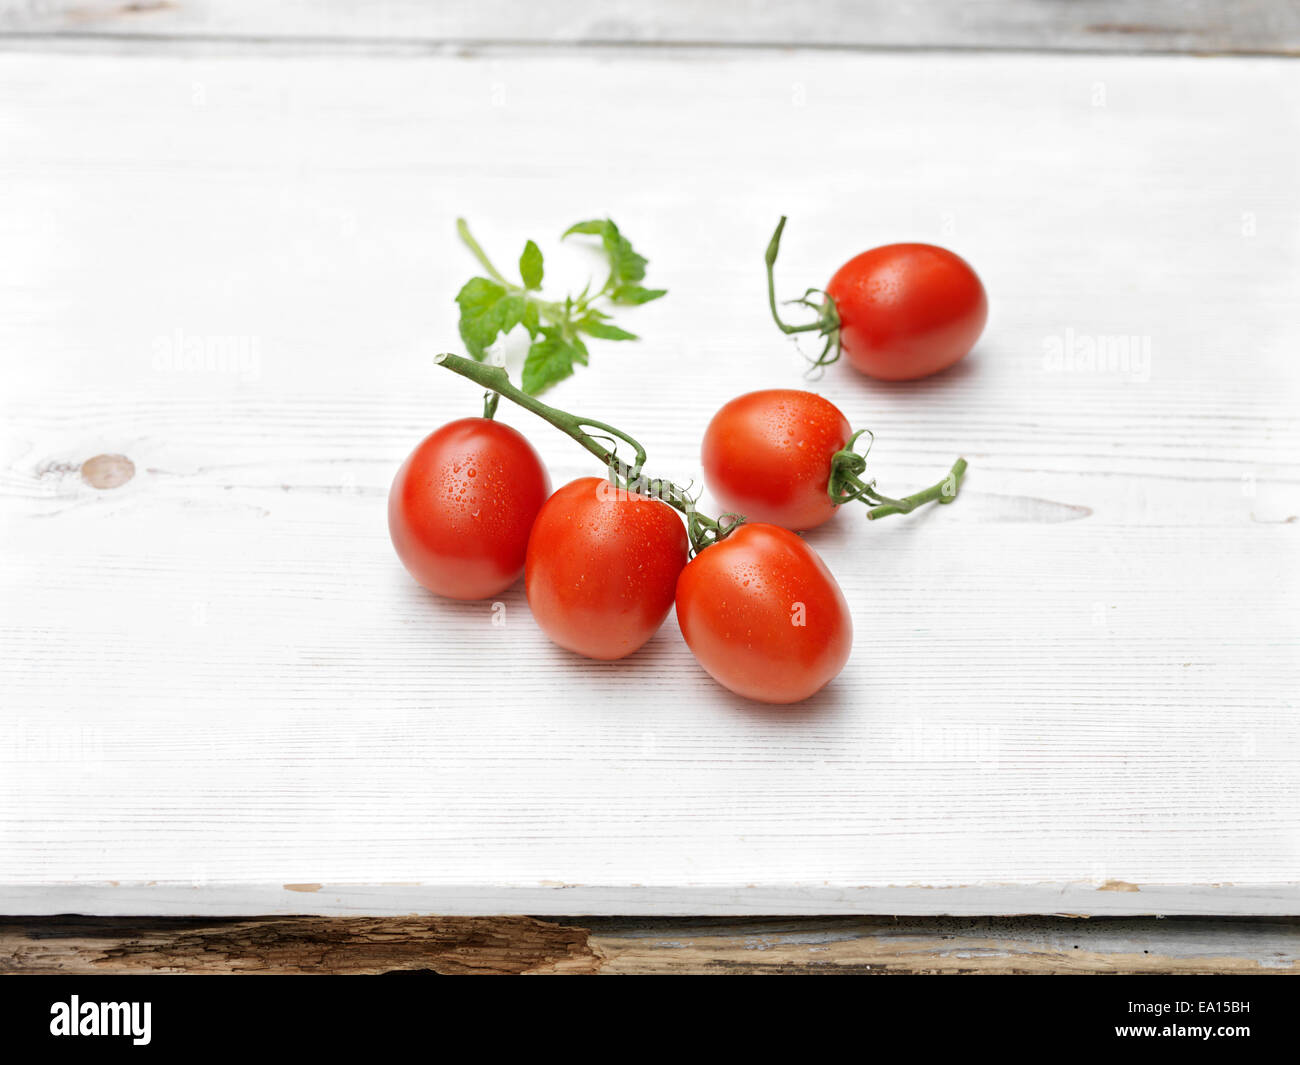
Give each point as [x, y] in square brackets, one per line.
[943, 492]
[827, 323]
[846, 483]
[462, 229]
[702, 529]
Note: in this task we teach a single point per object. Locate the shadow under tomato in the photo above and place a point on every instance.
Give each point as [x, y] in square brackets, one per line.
[842, 373]
[821, 707]
[662, 647]
[665, 663]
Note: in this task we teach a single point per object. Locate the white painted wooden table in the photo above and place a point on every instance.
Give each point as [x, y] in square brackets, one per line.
[1072, 691]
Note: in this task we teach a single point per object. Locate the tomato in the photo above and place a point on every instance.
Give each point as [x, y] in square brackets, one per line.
[462, 506]
[763, 615]
[602, 567]
[907, 310]
[767, 455]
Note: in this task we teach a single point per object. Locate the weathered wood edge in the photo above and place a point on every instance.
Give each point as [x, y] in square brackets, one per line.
[615, 945]
[1250, 27]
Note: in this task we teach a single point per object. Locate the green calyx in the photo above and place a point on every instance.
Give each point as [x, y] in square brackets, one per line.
[827, 324]
[846, 483]
[559, 329]
[702, 530]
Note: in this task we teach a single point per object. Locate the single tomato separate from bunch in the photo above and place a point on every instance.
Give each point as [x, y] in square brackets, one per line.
[462, 506]
[602, 567]
[768, 455]
[907, 310]
[899, 312]
[763, 615]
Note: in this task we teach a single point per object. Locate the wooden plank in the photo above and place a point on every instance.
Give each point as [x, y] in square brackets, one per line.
[1072, 692]
[619, 946]
[1246, 26]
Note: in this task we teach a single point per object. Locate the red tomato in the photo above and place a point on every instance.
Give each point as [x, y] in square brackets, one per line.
[763, 615]
[907, 310]
[462, 506]
[767, 455]
[602, 567]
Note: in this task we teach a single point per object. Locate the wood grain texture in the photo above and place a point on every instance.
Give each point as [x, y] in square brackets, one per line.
[1201, 26]
[1071, 692]
[619, 946]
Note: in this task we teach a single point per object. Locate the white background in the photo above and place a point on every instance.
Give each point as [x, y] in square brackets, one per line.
[1071, 691]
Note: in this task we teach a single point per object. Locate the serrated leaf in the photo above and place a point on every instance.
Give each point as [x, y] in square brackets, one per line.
[487, 310]
[558, 331]
[479, 291]
[593, 228]
[512, 312]
[635, 294]
[478, 299]
[550, 359]
[530, 266]
[604, 330]
[624, 263]
[531, 320]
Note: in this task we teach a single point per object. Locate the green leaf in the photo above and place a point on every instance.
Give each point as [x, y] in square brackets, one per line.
[624, 263]
[550, 359]
[601, 330]
[635, 294]
[595, 228]
[487, 310]
[530, 266]
[532, 319]
[491, 306]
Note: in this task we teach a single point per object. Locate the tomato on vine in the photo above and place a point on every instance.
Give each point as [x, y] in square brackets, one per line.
[899, 312]
[759, 610]
[763, 615]
[462, 505]
[787, 457]
[602, 566]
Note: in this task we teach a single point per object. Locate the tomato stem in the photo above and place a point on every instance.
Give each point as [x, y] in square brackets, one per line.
[702, 529]
[846, 483]
[828, 317]
[462, 228]
[943, 492]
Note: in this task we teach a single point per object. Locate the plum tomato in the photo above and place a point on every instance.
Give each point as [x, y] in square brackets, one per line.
[768, 454]
[763, 615]
[462, 506]
[907, 310]
[602, 567]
